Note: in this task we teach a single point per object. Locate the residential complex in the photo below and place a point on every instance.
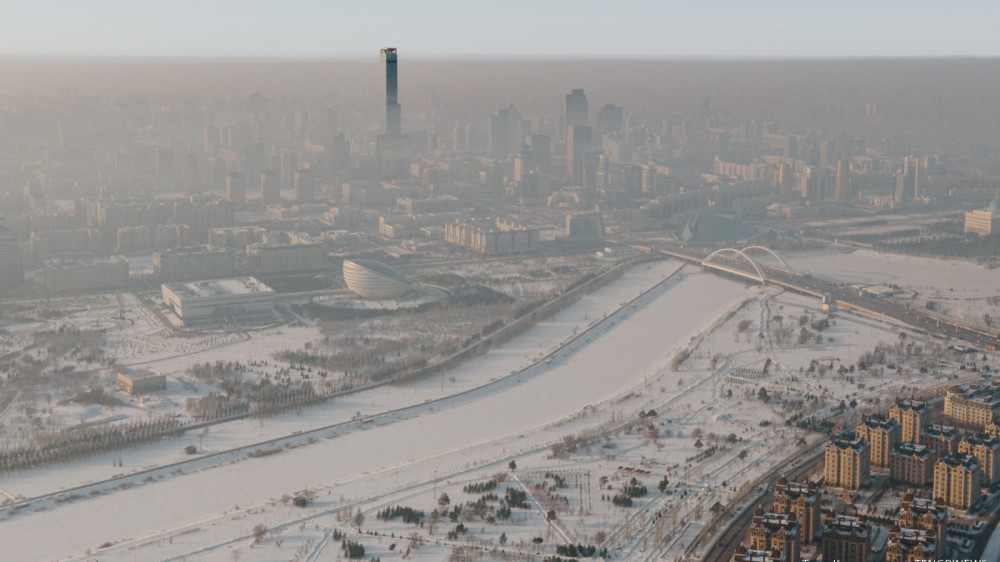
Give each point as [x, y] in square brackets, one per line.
[848, 462]
[883, 434]
[846, 538]
[972, 407]
[913, 464]
[957, 480]
[912, 416]
[801, 500]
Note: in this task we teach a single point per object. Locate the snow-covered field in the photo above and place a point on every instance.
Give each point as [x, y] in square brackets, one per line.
[961, 288]
[515, 355]
[375, 459]
[407, 445]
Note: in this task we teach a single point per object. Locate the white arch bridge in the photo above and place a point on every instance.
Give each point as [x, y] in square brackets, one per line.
[739, 262]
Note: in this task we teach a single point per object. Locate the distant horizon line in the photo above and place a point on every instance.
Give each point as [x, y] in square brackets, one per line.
[496, 58]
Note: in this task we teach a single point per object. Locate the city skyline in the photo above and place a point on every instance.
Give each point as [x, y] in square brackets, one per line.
[444, 29]
[485, 309]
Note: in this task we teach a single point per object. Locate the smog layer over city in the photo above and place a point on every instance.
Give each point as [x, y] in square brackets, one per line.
[515, 281]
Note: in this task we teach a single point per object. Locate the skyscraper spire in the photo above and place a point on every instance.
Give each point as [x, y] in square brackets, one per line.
[393, 112]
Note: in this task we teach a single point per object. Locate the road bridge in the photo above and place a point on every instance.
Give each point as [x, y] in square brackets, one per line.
[731, 261]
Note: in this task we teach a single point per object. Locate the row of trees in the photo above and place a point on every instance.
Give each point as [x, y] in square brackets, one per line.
[579, 550]
[408, 514]
[59, 446]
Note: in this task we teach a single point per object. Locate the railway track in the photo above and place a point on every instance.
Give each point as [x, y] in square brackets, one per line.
[722, 550]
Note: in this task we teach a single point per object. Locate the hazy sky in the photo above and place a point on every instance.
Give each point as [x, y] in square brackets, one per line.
[507, 28]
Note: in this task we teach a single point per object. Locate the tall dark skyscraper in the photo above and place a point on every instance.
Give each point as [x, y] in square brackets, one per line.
[578, 139]
[541, 152]
[497, 140]
[505, 133]
[339, 154]
[270, 188]
[236, 188]
[843, 185]
[393, 112]
[392, 149]
[610, 118]
[577, 111]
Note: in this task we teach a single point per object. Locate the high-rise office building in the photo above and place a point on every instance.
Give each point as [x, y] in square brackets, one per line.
[497, 140]
[602, 178]
[288, 162]
[393, 112]
[11, 271]
[786, 180]
[541, 152]
[270, 188]
[577, 145]
[791, 148]
[218, 174]
[631, 179]
[610, 118]
[843, 187]
[460, 136]
[914, 177]
[340, 154]
[392, 149]
[506, 133]
[826, 153]
[576, 109]
[189, 169]
[236, 189]
[523, 165]
[648, 180]
[305, 186]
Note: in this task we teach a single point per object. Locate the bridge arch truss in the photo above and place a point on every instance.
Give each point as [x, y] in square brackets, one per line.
[784, 264]
[733, 252]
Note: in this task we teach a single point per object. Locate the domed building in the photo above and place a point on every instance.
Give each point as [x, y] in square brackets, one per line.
[374, 280]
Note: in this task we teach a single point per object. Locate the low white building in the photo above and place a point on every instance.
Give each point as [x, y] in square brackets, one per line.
[220, 300]
[141, 381]
[984, 222]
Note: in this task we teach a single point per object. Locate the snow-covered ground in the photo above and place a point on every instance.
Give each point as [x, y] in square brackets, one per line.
[961, 288]
[437, 439]
[372, 460]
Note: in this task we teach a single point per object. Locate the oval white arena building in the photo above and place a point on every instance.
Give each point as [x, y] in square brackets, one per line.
[374, 280]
